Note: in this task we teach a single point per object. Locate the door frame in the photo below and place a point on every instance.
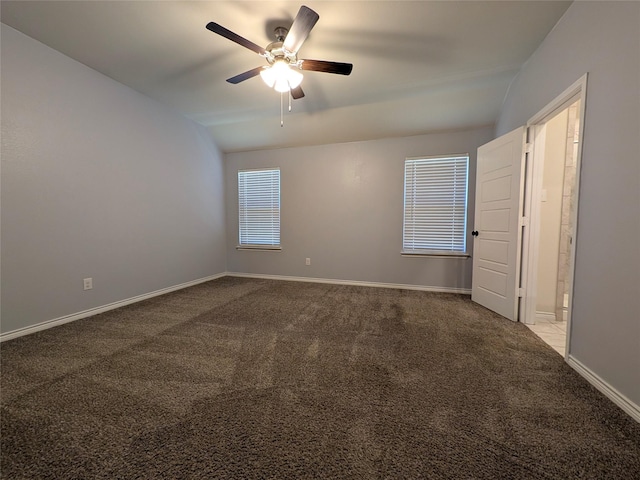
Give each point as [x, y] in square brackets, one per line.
[536, 127]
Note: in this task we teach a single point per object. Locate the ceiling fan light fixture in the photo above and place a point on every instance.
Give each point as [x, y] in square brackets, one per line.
[281, 85]
[281, 76]
[284, 72]
[268, 76]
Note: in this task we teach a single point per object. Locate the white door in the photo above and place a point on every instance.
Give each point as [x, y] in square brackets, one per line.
[497, 232]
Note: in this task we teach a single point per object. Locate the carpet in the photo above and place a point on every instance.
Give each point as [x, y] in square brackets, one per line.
[261, 379]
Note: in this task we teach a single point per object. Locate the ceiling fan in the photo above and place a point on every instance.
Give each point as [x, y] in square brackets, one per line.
[283, 73]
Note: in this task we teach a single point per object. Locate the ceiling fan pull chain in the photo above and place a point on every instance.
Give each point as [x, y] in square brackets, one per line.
[289, 96]
[281, 110]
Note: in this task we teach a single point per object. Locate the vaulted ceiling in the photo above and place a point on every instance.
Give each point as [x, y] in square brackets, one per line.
[419, 66]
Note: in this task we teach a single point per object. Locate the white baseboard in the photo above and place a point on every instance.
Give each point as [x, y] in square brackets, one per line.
[94, 311]
[104, 308]
[546, 316]
[402, 286]
[615, 396]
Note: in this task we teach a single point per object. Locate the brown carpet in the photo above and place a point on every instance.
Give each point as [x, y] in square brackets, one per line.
[247, 379]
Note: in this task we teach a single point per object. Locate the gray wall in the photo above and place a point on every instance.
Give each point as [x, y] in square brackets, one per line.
[342, 206]
[97, 181]
[602, 39]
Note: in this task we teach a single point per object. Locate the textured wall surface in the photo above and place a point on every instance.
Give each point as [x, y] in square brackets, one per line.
[601, 39]
[97, 181]
[342, 206]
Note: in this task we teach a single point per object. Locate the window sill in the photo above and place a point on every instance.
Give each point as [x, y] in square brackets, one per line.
[259, 247]
[433, 253]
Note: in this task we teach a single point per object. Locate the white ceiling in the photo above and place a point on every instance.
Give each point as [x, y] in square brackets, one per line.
[419, 66]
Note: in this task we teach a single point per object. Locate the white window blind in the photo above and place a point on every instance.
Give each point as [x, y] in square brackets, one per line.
[435, 205]
[259, 207]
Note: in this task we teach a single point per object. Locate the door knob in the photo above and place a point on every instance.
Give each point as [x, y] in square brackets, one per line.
[474, 233]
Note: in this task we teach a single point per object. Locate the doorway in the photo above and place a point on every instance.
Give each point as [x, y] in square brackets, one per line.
[553, 178]
[510, 194]
[562, 134]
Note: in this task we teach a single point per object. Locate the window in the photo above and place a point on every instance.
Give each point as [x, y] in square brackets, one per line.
[435, 205]
[259, 208]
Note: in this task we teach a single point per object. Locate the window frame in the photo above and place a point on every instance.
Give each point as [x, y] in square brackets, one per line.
[460, 238]
[244, 225]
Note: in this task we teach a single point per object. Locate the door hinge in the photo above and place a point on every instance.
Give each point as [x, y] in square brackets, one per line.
[521, 292]
[524, 221]
[528, 147]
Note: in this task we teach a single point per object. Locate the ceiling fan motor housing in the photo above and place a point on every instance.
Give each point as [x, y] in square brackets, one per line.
[276, 51]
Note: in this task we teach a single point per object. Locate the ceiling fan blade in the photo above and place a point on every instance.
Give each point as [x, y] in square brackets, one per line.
[299, 31]
[245, 76]
[327, 67]
[234, 37]
[297, 93]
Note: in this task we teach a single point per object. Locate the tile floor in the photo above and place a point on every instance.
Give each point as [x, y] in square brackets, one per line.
[553, 333]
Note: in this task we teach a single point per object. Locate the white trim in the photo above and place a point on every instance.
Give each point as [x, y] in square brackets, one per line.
[121, 303]
[561, 102]
[104, 308]
[530, 240]
[546, 316]
[534, 185]
[401, 286]
[448, 155]
[433, 253]
[614, 395]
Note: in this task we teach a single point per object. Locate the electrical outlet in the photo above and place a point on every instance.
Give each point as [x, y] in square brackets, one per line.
[88, 283]
[307, 261]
